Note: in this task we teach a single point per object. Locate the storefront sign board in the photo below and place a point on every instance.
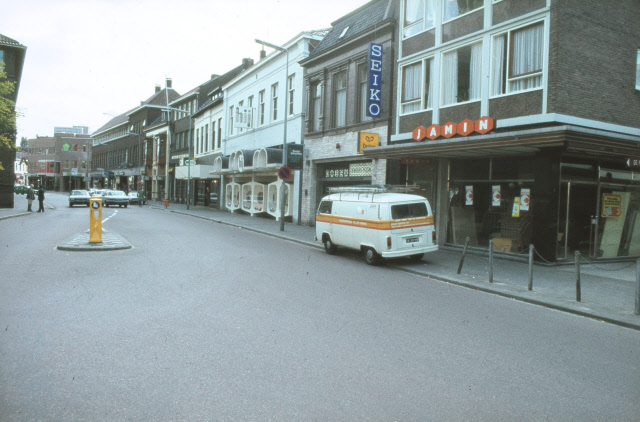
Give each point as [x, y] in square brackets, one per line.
[367, 140]
[525, 199]
[412, 161]
[464, 128]
[611, 205]
[495, 195]
[468, 195]
[295, 154]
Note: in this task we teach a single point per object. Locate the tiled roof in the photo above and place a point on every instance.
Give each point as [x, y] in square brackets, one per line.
[358, 21]
[4, 40]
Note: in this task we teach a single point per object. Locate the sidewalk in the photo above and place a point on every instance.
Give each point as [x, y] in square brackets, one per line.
[607, 289]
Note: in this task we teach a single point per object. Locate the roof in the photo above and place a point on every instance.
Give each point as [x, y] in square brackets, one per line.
[158, 98]
[356, 22]
[4, 40]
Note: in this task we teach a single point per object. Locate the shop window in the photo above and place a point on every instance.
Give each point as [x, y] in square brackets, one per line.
[470, 169]
[517, 60]
[462, 70]
[512, 169]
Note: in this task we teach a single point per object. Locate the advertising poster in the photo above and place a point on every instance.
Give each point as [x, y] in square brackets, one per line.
[468, 196]
[525, 198]
[495, 195]
[611, 205]
[515, 212]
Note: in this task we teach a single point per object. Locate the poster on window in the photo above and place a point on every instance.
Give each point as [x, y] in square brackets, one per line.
[611, 205]
[495, 195]
[468, 196]
[525, 198]
[515, 211]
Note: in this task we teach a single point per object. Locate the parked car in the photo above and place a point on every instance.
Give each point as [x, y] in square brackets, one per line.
[21, 189]
[79, 197]
[136, 197]
[115, 197]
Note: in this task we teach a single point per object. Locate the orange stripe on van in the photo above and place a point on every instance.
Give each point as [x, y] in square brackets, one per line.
[376, 224]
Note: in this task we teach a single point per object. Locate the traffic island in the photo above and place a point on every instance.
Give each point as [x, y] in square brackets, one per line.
[80, 243]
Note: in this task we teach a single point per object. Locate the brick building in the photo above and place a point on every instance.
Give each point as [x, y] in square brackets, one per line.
[520, 118]
[338, 121]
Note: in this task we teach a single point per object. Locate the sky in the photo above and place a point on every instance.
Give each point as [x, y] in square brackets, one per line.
[90, 60]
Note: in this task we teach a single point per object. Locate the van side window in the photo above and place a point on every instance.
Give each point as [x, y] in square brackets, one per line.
[325, 207]
[417, 209]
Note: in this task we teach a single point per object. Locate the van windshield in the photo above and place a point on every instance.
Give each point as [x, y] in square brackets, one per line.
[416, 209]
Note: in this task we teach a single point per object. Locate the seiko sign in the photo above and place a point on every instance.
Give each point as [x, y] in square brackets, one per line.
[374, 99]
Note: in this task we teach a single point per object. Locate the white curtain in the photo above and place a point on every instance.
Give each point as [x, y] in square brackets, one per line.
[411, 88]
[341, 99]
[413, 11]
[430, 81]
[450, 78]
[497, 74]
[430, 13]
[527, 57]
[475, 72]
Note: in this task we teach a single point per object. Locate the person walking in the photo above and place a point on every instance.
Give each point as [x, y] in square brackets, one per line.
[41, 199]
[30, 197]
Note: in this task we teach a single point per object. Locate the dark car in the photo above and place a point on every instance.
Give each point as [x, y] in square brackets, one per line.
[79, 197]
[115, 197]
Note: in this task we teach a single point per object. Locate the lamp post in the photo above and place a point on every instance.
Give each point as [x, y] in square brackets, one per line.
[286, 112]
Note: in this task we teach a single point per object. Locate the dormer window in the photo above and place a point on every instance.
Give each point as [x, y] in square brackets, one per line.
[344, 32]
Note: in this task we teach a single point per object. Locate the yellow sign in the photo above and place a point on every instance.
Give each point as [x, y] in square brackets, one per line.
[611, 205]
[367, 140]
[516, 207]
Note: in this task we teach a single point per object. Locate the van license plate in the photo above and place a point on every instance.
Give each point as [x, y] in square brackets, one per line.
[412, 239]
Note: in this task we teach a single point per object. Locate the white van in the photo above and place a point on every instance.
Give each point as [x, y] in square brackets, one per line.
[379, 223]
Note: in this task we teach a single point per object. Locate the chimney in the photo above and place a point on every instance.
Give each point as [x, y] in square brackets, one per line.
[168, 82]
[158, 88]
[263, 54]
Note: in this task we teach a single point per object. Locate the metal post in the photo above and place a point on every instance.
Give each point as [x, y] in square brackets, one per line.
[578, 287]
[490, 260]
[530, 267]
[189, 168]
[464, 253]
[284, 140]
[637, 311]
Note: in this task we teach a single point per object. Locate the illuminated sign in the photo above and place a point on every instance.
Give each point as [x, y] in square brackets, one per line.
[367, 140]
[464, 128]
[374, 99]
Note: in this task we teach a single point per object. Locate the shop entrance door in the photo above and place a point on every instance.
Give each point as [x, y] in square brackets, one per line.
[578, 219]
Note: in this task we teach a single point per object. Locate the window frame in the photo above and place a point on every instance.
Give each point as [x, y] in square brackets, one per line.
[638, 70]
[444, 17]
[274, 102]
[262, 107]
[291, 93]
[336, 91]
[443, 80]
[421, 24]
[363, 91]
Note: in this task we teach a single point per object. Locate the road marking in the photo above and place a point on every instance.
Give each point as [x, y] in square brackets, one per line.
[107, 219]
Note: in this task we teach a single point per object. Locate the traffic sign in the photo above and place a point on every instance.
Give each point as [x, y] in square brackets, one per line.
[284, 173]
[189, 162]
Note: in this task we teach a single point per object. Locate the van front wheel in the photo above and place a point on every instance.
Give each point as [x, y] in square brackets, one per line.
[329, 246]
[371, 257]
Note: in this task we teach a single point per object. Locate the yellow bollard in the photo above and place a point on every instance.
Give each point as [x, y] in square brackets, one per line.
[95, 220]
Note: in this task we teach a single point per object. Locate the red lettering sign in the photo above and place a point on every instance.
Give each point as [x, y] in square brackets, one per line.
[419, 133]
[464, 128]
[433, 132]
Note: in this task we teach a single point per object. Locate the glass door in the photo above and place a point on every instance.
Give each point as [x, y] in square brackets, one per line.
[577, 219]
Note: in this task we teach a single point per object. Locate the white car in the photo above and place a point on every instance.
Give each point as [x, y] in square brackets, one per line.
[79, 196]
[115, 197]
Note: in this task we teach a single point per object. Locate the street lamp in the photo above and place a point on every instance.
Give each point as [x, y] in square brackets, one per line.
[284, 140]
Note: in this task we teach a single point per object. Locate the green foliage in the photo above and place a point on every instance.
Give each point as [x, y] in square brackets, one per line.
[7, 114]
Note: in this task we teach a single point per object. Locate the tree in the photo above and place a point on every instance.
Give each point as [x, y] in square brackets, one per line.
[24, 143]
[7, 118]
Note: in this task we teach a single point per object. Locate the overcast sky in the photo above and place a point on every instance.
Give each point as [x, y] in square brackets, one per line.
[88, 60]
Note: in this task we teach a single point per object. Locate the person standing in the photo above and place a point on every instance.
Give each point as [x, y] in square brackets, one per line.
[30, 197]
[41, 199]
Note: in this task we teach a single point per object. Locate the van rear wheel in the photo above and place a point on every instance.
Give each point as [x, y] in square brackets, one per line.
[329, 246]
[371, 257]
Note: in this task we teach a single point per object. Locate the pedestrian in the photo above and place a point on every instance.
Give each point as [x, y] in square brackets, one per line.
[30, 197]
[41, 199]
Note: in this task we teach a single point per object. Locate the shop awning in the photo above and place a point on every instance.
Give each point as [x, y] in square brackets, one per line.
[522, 142]
[198, 171]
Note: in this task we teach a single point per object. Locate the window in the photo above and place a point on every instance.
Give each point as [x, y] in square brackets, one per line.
[197, 141]
[274, 102]
[340, 99]
[325, 207]
[231, 120]
[414, 96]
[517, 60]
[206, 138]
[344, 32]
[213, 135]
[418, 16]
[261, 113]
[638, 70]
[291, 93]
[316, 105]
[363, 86]
[461, 71]
[417, 209]
[455, 8]
[250, 104]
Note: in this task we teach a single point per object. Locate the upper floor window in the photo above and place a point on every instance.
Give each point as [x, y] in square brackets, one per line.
[291, 94]
[250, 104]
[219, 132]
[417, 86]
[274, 102]
[461, 70]
[363, 89]
[261, 106]
[638, 70]
[231, 120]
[418, 16]
[455, 8]
[316, 105]
[340, 99]
[517, 60]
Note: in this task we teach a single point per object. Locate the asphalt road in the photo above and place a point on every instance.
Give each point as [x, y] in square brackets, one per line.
[201, 321]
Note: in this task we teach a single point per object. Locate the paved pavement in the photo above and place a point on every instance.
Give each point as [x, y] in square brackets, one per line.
[608, 290]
